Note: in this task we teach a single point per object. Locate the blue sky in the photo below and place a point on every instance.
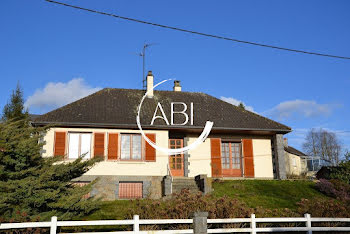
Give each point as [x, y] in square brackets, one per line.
[60, 54]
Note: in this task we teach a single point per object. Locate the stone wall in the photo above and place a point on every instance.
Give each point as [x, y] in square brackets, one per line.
[107, 187]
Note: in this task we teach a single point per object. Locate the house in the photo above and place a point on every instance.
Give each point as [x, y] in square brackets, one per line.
[296, 161]
[241, 144]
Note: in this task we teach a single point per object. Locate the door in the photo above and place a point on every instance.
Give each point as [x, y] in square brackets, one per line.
[176, 162]
[231, 159]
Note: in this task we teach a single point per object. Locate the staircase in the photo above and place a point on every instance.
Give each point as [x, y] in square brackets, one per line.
[184, 183]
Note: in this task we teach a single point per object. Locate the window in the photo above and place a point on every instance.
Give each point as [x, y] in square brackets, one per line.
[82, 184]
[79, 144]
[131, 147]
[236, 155]
[225, 155]
[294, 162]
[231, 155]
[130, 190]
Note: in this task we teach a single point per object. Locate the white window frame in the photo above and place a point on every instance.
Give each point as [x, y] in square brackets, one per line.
[88, 155]
[131, 147]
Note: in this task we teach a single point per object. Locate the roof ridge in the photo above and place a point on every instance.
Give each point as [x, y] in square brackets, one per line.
[154, 90]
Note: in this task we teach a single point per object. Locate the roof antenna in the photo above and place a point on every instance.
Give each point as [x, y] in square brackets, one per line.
[143, 55]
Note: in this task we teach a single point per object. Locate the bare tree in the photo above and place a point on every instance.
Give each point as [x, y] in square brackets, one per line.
[323, 144]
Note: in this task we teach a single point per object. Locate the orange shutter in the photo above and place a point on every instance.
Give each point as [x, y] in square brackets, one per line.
[113, 146]
[216, 170]
[150, 151]
[99, 144]
[60, 144]
[248, 157]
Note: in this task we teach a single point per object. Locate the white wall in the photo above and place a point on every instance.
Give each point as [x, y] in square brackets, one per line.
[298, 168]
[200, 158]
[263, 167]
[157, 168]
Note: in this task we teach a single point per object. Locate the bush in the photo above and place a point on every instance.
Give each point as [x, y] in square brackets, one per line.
[334, 188]
[184, 204]
[324, 208]
[340, 172]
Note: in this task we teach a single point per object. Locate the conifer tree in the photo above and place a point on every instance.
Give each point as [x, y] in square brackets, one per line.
[32, 186]
[15, 108]
[241, 105]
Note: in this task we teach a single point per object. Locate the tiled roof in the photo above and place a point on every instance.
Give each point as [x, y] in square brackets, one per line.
[118, 108]
[294, 151]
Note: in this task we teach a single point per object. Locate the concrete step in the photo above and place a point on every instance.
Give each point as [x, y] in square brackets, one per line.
[192, 190]
[185, 186]
[184, 183]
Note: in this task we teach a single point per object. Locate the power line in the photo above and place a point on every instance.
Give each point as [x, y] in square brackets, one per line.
[198, 33]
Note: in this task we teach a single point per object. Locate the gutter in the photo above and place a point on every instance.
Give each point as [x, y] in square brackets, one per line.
[67, 124]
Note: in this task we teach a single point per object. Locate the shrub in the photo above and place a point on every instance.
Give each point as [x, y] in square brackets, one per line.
[340, 172]
[324, 208]
[184, 204]
[334, 188]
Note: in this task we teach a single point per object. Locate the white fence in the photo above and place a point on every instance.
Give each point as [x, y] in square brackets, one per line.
[199, 224]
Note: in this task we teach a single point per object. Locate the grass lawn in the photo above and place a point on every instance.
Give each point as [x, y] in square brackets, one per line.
[271, 194]
[111, 210]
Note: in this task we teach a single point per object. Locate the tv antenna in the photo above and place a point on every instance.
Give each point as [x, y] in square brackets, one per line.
[143, 55]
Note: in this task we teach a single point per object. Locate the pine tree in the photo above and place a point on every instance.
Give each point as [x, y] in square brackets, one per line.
[33, 186]
[15, 108]
[241, 105]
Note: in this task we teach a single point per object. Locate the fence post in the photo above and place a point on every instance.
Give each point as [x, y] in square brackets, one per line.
[136, 224]
[200, 223]
[53, 228]
[308, 223]
[253, 224]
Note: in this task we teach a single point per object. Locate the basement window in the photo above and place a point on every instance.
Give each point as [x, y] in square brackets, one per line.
[130, 190]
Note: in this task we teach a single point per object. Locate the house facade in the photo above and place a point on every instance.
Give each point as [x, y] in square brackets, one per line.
[241, 144]
[296, 161]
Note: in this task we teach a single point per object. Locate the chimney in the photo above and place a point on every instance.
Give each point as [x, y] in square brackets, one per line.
[285, 142]
[177, 86]
[150, 84]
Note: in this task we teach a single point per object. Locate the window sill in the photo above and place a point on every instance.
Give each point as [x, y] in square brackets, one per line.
[127, 162]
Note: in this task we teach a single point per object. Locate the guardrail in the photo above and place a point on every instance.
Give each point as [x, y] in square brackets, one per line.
[199, 223]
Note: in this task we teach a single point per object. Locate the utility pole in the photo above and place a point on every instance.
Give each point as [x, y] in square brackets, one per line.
[143, 55]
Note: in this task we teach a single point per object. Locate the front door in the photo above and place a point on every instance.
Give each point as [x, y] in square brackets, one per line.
[176, 162]
[231, 159]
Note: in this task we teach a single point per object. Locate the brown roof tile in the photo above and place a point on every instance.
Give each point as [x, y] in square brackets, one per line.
[118, 108]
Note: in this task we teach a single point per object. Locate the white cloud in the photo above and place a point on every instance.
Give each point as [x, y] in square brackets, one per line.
[236, 102]
[303, 108]
[55, 95]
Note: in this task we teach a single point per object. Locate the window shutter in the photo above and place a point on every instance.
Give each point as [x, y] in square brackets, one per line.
[99, 144]
[113, 146]
[150, 151]
[60, 144]
[215, 145]
[248, 158]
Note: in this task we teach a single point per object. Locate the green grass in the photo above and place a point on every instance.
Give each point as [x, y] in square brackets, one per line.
[271, 194]
[111, 210]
